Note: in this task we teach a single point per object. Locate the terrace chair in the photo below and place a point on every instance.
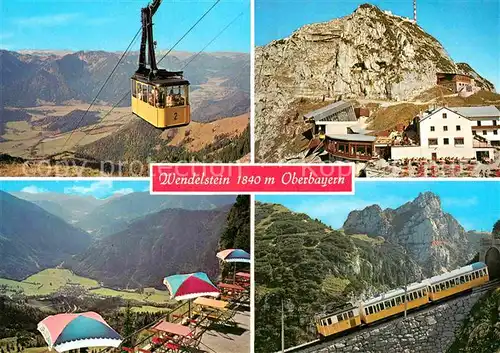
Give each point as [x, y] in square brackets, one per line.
[193, 341]
[174, 347]
[157, 340]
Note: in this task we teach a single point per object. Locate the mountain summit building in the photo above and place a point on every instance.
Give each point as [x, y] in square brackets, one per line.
[458, 132]
[464, 85]
[445, 133]
[342, 130]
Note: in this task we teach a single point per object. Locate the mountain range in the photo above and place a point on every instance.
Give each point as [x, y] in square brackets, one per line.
[315, 268]
[101, 217]
[370, 55]
[36, 78]
[70, 208]
[432, 237]
[131, 240]
[118, 213]
[160, 244]
[32, 239]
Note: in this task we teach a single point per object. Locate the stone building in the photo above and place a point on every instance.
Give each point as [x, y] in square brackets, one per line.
[464, 85]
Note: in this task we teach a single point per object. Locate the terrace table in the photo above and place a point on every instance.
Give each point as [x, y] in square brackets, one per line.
[229, 286]
[211, 303]
[243, 278]
[229, 290]
[171, 336]
[211, 308]
[243, 274]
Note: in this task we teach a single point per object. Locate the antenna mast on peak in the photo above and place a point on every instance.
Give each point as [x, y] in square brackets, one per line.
[415, 11]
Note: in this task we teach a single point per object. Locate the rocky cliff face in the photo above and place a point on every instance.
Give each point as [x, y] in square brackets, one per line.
[432, 237]
[480, 81]
[368, 54]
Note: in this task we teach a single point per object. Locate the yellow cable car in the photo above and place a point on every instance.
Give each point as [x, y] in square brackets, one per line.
[160, 97]
[162, 103]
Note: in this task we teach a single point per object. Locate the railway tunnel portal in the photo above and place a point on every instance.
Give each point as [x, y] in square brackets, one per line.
[490, 255]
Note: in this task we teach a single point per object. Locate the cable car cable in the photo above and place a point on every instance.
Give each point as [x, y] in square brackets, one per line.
[104, 117]
[192, 58]
[213, 40]
[189, 30]
[102, 87]
[121, 58]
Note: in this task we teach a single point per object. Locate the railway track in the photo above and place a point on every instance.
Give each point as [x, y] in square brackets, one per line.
[313, 346]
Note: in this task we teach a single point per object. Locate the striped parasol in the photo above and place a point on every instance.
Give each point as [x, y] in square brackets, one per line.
[190, 286]
[234, 255]
[64, 332]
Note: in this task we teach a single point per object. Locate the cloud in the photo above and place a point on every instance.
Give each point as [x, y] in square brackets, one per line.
[46, 21]
[59, 20]
[98, 21]
[94, 188]
[124, 191]
[32, 189]
[3, 37]
[99, 189]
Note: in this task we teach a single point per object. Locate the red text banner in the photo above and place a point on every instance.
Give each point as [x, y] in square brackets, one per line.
[246, 178]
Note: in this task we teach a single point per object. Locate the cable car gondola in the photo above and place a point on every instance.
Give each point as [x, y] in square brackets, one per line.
[159, 96]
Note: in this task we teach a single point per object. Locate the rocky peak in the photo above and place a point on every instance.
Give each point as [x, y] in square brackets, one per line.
[367, 9]
[369, 53]
[433, 238]
[427, 198]
[426, 203]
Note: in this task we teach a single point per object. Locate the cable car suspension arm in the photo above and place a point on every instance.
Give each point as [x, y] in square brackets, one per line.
[147, 14]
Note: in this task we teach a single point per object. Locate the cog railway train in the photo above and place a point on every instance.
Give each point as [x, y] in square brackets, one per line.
[393, 302]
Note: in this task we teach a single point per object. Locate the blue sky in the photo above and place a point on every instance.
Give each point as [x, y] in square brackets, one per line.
[99, 189]
[468, 29]
[475, 204]
[111, 24]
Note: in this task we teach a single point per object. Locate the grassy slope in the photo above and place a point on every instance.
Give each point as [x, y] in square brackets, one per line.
[480, 332]
[44, 170]
[389, 117]
[47, 282]
[150, 295]
[50, 281]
